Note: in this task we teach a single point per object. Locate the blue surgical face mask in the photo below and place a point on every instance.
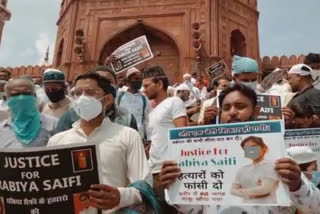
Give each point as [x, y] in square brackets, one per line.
[25, 117]
[315, 178]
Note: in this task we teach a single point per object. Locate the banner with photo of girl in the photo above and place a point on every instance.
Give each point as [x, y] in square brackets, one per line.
[228, 164]
[270, 107]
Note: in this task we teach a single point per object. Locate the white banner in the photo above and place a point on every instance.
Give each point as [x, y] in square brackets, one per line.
[228, 164]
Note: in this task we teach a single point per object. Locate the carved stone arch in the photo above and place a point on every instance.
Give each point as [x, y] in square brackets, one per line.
[238, 43]
[164, 47]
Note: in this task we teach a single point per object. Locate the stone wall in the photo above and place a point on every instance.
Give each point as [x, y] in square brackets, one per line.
[268, 64]
[34, 71]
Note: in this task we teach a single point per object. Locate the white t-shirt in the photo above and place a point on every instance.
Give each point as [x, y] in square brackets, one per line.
[89, 210]
[250, 175]
[160, 121]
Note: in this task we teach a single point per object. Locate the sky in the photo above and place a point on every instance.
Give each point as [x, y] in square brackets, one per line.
[286, 27]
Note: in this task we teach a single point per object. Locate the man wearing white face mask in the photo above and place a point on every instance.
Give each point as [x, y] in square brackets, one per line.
[122, 154]
[245, 71]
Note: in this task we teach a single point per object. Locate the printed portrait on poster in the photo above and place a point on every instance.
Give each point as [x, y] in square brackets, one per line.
[256, 182]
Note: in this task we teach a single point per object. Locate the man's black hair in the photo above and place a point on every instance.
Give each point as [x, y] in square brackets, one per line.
[312, 58]
[102, 82]
[245, 90]
[157, 74]
[215, 82]
[194, 74]
[105, 69]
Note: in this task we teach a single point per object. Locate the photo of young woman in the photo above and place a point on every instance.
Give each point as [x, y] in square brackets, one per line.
[256, 182]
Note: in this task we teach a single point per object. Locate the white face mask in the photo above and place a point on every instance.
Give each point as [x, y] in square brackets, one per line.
[87, 108]
[252, 85]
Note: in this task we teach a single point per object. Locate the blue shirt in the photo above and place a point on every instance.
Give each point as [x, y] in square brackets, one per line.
[8, 138]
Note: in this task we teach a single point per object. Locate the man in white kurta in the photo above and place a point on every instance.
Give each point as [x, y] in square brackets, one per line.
[121, 155]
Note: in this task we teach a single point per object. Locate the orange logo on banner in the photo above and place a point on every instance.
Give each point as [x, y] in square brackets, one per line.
[82, 161]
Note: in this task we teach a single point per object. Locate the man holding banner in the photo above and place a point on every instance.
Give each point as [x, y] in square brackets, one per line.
[245, 71]
[122, 154]
[238, 103]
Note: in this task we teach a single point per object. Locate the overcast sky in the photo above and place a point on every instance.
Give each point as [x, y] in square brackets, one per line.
[286, 27]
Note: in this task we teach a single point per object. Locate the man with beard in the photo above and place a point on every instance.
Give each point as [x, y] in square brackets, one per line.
[300, 80]
[245, 71]
[135, 102]
[56, 89]
[238, 103]
[168, 113]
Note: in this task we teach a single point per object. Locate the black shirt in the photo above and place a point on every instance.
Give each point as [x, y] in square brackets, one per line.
[310, 96]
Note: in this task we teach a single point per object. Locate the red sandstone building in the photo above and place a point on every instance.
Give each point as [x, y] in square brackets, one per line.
[185, 35]
[172, 27]
[4, 15]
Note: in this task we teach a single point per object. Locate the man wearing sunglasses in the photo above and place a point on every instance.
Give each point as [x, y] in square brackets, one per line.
[26, 127]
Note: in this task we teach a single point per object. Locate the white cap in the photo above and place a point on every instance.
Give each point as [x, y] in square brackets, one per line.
[132, 70]
[302, 154]
[301, 70]
[183, 87]
[171, 90]
[277, 69]
[186, 75]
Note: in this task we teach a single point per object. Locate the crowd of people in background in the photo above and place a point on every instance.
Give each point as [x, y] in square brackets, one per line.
[130, 118]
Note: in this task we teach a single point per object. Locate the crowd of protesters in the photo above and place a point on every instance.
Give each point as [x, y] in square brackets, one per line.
[130, 119]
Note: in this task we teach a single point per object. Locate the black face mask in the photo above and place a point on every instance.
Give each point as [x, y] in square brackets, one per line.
[56, 96]
[136, 84]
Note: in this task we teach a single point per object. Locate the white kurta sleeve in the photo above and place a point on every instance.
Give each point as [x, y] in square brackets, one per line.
[138, 169]
[307, 198]
[178, 109]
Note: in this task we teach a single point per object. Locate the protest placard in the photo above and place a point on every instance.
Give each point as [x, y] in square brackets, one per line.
[304, 137]
[216, 70]
[272, 78]
[227, 164]
[131, 54]
[270, 107]
[48, 181]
